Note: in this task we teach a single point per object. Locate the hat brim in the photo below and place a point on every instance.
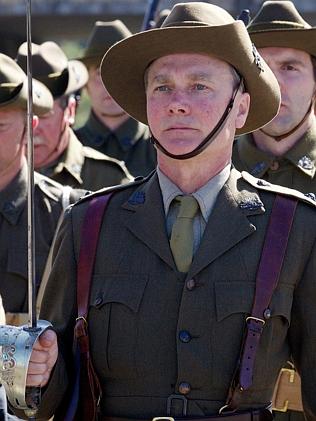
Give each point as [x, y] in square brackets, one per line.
[42, 99]
[123, 66]
[300, 39]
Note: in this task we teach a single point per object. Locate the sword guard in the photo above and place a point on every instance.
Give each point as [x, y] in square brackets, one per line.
[16, 345]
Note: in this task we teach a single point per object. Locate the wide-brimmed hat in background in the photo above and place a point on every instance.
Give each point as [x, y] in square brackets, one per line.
[14, 88]
[191, 28]
[51, 66]
[279, 24]
[102, 37]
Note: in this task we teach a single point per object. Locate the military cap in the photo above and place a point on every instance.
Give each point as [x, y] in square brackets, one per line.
[102, 37]
[14, 88]
[191, 28]
[279, 24]
[52, 67]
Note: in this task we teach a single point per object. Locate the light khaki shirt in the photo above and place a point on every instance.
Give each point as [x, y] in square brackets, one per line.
[205, 196]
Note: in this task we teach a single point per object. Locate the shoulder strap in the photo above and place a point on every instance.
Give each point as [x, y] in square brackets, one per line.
[270, 266]
[86, 388]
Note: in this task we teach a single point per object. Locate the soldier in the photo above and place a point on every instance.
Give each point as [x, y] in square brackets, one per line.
[48, 197]
[109, 129]
[166, 320]
[284, 151]
[13, 190]
[58, 153]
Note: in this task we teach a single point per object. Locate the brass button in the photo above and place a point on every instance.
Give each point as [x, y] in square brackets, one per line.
[267, 313]
[274, 165]
[185, 336]
[184, 388]
[191, 284]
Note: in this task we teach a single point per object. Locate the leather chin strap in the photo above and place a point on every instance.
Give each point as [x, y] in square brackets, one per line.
[209, 139]
[283, 136]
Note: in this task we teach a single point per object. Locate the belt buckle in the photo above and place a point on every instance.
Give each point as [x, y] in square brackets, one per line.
[180, 398]
[291, 373]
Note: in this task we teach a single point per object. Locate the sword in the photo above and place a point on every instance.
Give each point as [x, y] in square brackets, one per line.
[16, 343]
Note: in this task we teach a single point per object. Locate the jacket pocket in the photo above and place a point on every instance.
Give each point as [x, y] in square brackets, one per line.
[234, 301]
[113, 323]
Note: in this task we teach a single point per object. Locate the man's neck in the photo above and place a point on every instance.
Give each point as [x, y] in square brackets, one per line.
[269, 145]
[57, 153]
[191, 174]
[10, 172]
[112, 122]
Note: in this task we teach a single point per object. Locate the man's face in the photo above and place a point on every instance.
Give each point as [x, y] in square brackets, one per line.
[294, 71]
[101, 101]
[47, 135]
[186, 96]
[12, 137]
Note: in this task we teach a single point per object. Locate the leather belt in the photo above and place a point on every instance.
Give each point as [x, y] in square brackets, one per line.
[259, 415]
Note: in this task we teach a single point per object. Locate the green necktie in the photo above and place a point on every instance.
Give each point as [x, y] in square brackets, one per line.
[181, 241]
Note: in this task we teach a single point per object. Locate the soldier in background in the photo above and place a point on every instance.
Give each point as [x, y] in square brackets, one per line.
[109, 129]
[48, 198]
[48, 195]
[57, 152]
[284, 151]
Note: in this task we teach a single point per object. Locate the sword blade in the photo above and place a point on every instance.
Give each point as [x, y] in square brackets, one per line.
[30, 196]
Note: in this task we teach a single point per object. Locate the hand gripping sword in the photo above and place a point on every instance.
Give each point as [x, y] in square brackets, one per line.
[16, 343]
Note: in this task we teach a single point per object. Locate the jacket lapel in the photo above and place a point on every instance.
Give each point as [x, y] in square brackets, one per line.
[144, 216]
[228, 223]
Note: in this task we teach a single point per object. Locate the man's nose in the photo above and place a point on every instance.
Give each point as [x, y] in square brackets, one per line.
[179, 104]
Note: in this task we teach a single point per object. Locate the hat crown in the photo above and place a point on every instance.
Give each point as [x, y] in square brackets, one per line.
[103, 36]
[197, 14]
[275, 15]
[10, 72]
[47, 58]
[51, 66]
[14, 90]
[12, 78]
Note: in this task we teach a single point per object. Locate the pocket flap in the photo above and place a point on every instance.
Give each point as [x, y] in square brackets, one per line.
[123, 289]
[237, 297]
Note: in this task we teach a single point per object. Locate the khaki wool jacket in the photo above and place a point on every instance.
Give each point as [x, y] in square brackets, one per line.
[48, 196]
[296, 169]
[140, 305]
[85, 168]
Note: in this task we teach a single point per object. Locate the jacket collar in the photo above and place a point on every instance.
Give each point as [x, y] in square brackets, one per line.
[72, 159]
[302, 155]
[127, 134]
[13, 197]
[228, 224]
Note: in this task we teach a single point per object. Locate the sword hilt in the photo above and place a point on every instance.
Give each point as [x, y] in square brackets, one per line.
[16, 345]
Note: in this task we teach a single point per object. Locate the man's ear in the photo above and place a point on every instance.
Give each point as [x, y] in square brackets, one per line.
[70, 111]
[35, 122]
[243, 110]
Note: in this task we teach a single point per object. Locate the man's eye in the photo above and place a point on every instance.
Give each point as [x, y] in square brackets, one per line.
[162, 88]
[199, 87]
[289, 68]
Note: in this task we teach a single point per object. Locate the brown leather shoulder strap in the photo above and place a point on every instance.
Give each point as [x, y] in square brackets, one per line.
[87, 393]
[270, 266]
[88, 247]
